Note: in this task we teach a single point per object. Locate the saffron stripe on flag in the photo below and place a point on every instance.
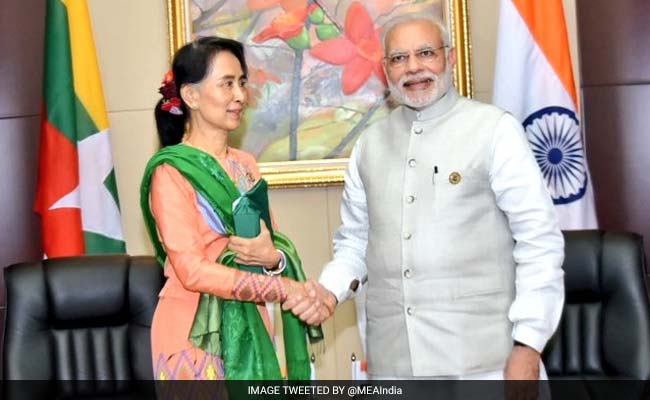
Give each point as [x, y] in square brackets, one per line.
[548, 27]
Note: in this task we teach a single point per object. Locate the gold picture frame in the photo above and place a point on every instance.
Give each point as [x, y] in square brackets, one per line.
[327, 172]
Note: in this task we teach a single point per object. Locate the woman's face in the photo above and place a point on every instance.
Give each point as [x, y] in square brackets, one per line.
[221, 97]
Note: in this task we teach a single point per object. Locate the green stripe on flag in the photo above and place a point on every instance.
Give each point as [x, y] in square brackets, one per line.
[58, 86]
[100, 244]
[111, 184]
[84, 123]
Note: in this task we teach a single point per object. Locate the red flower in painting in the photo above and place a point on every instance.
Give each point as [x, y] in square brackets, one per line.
[359, 51]
[257, 78]
[288, 24]
[287, 5]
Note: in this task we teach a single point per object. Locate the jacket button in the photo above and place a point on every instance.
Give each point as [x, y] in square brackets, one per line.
[418, 131]
[407, 236]
[407, 273]
[409, 310]
[412, 162]
[410, 199]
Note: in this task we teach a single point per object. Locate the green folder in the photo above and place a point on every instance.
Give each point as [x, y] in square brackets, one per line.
[249, 208]
[247, 211]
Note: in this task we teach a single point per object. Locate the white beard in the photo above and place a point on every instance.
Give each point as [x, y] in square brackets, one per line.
[441, 84]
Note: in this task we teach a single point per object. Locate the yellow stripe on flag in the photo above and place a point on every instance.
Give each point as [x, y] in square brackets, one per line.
[545, 19]
[87, 81]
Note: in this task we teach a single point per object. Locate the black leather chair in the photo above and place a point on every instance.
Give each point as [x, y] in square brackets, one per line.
[85, 318]
[605, 328]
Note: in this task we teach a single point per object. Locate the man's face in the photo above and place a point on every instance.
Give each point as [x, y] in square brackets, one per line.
[419, 73]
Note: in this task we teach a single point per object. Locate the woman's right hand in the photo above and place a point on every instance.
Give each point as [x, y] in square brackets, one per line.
[256, 251]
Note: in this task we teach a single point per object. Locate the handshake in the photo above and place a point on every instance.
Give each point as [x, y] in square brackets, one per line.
[309, 301]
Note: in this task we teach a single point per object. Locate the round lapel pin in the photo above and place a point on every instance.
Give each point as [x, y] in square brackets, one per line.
[454, 178]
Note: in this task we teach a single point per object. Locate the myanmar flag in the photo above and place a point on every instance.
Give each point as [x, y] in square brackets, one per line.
[534, 81]
[77, 193]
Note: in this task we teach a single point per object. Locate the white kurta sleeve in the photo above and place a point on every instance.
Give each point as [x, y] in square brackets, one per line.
[522, 195]
[351, 239]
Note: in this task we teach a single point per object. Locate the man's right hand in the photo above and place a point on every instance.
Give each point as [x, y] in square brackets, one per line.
[313, 308]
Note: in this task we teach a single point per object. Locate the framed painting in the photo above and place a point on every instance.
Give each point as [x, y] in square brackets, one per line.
[315, 74]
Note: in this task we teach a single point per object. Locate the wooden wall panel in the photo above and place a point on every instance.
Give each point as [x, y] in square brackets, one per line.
[2, 337]
[617, 123]
[20, 233]
[22, 24]
[614, 41]
[615, 68]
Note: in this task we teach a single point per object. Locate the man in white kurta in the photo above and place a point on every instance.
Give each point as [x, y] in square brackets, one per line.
[446, 213]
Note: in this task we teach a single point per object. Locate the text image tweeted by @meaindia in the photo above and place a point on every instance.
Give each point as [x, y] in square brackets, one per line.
[323, 390]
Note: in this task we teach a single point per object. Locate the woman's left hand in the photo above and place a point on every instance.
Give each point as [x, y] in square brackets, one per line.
[256, 251]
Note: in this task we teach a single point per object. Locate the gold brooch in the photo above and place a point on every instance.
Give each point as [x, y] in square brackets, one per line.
[454, 178]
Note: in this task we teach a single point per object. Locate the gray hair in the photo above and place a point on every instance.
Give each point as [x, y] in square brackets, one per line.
[390, 25]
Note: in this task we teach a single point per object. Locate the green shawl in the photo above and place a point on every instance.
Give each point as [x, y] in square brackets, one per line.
[232, 329]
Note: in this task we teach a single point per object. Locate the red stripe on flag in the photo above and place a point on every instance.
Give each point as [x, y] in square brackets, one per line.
[62, 235]
[58, 175]
[58, 166]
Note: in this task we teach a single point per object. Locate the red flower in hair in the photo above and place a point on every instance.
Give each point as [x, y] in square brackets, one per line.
[168, 86]
[172, 106]
[171, 102]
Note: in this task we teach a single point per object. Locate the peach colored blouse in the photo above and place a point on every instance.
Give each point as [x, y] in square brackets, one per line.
[192, 248]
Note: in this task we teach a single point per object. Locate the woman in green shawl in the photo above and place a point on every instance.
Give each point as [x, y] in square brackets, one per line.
[212, 320]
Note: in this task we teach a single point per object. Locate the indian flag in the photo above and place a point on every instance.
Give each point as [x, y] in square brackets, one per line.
[77, 193]
[534, 81]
